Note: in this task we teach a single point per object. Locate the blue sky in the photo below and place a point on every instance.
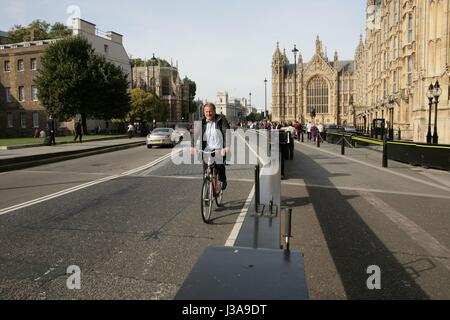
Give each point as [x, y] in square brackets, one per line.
[224, 45]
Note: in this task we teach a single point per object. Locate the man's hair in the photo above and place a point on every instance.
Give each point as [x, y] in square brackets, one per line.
[210, 105]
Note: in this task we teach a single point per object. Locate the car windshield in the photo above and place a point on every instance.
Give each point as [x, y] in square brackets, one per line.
[156, 131]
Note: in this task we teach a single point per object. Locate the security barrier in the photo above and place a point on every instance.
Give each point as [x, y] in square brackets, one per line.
[417, 154]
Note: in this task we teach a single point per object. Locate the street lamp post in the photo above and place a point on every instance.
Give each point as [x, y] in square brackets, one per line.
[436, 93]
[295, 51]
[265, 97]
[430, 99]
[153, 79]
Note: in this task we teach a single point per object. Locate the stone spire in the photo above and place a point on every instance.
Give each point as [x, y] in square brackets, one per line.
[277, 54]
[319, 49]
[336, 60]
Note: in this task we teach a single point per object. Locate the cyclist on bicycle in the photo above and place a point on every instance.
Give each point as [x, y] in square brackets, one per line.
[214, 127]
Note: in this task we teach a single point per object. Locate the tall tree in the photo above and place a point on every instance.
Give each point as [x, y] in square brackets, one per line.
[142, 106]
[192, 94]
[73, 80]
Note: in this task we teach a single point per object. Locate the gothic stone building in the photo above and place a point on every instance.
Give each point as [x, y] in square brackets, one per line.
[407, 48]
[322, 85]
[166, 83]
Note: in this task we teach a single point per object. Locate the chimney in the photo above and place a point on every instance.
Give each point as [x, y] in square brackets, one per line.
[114, 37]
[80, 26]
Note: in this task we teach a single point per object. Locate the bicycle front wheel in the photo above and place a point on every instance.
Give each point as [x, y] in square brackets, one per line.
[207, 200]
[219, 192]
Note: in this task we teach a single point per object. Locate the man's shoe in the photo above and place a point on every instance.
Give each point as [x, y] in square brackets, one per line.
[224, 185]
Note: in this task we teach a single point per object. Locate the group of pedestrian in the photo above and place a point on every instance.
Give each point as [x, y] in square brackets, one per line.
[313, 130]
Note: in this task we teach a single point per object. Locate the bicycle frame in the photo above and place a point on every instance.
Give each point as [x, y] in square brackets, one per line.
[210, 182]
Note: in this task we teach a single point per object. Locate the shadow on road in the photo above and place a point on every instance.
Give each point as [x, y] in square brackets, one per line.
[351, 242]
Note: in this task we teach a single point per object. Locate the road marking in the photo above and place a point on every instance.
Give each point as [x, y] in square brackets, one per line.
[253, 150]
[240, 221]
[63, 172]
[415, 232]
[198, 178]
[80, 187]
[445, 182]
[413, 194]
[379, 168]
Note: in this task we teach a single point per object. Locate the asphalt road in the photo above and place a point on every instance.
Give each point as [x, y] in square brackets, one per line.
[350, 214]
[137, 234]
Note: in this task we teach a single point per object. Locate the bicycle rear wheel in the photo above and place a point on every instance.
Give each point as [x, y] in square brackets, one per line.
[207, 200]
[218, 189]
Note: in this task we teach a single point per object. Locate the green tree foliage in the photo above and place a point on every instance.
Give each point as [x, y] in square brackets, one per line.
[59, 30]
[38, 30]
[192, 94]
[73, 80]
[138, 62]
[143, 106]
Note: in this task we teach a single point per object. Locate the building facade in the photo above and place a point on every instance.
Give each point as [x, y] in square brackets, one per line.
[321, 85]
[407, 48]
[166, 83]
[20, 110]
[234, 109]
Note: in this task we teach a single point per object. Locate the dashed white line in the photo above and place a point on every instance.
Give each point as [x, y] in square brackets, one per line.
[379, 168]
[240, 221]
[415, 232]
[80, 187]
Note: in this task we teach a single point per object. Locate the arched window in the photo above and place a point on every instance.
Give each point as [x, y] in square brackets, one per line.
[317, 96]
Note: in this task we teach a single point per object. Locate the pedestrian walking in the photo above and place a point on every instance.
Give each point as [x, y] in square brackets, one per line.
[78, 131]
[51, 128]
[308, 129]
[130, 130]
[314, 132]
[321, 130]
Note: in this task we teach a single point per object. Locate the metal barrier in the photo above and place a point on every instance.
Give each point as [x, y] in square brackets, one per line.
[256, 267]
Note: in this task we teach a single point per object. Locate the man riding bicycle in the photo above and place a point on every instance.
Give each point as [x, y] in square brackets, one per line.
[214, 129]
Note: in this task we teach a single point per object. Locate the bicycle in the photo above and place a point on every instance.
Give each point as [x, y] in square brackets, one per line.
[211, 188]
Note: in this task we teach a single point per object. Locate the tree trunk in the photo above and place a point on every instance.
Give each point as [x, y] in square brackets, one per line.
[84, 123]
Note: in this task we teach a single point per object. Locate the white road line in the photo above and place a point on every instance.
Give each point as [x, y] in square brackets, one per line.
[199, 178]
[415, 232]
[253, 150]
[413, 194]
[240, 221]
[80, 187]
[63, 172]
[445, 181]
[379, 168]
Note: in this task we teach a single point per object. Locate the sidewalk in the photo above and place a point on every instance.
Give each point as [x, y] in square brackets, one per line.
[28, 157]
[373, 156]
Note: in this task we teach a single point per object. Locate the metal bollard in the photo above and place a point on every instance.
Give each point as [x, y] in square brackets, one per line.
[385, 153]
[288, 228]
[257, 188]
[303, 136]
[318, 140]
[343, 146]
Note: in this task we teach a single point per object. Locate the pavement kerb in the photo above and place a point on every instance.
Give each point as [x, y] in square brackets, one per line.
[26, 146]
[36, 160]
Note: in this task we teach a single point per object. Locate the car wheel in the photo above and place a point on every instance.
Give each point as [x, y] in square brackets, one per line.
[149, 146]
